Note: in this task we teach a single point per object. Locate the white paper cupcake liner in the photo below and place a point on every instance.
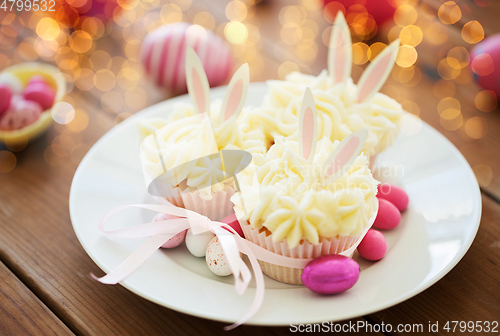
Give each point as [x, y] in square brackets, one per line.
[304, 250]
[216, 208]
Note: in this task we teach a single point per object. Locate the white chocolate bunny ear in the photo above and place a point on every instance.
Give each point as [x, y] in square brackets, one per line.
[340, 50]
[377, 72]
[343, 156]
[197, 82]
[236, 93]
[308, 128]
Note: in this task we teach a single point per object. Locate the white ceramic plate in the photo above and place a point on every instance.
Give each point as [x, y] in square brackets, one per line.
[435, 232]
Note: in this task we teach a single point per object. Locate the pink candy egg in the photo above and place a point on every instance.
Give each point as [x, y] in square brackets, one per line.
[393, 194]
[40, 93]
[175, 240]
[216, 260]
[5, 97]
[233, 222]
[373, 246]
[163, 55]
[388, 216]
[330, 274]
[485, 63]
[37, 79]
[20, 114]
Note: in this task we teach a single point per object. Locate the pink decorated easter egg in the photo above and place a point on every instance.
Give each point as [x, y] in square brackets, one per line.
[233, 222]
[215, 258]
[388, 216]
[20, 114]
[163, 55]
[485, 63]
[41, 93]
[5, 97]
[393, 194]
[175, 240]
[330, 274]
[373, 246]
[37, 79]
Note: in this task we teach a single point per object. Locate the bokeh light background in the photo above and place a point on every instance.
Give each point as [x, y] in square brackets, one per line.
[106, 83]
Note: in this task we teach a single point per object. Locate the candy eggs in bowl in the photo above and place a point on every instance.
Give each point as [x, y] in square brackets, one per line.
[28, 92]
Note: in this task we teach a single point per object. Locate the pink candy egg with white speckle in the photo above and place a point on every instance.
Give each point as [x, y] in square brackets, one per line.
[37, 79]
[216, 260]
[330, 274]
[388, 216]
[41, 93]
[20, 114]
[5, 97]
[373, 246]
[393, 194]
[175, 240]
[163, 55]
[233, 222]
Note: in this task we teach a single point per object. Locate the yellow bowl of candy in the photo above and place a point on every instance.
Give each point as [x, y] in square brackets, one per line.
[17, 78]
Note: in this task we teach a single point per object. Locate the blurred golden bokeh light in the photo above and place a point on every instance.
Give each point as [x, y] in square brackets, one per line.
[472, 32]
[476, 127]
[486, 101]
[8, 161]
[449, 12]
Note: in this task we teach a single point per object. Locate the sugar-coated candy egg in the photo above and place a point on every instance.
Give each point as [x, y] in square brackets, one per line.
[388, 216]
[216, 260]
[485, 63]
[5, 97]
[11, 81]
[175, 240]
[330, 274]
[233, 222]
[197, 243]
[373, 246]
[163, 55]
[20, 114]
[394, 194]
[41, 93]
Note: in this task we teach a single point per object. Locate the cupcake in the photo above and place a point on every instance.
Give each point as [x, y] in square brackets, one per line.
[183, 153]
[362, 106]
[309, 198]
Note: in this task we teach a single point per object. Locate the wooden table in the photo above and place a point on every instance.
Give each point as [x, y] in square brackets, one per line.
[45, 286]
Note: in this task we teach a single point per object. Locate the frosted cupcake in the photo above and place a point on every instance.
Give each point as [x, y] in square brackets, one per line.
[182, 158]
[377, 112]
[308, 199]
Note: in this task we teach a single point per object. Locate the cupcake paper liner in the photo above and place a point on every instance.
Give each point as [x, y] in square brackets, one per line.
[304, 250]
[216, 208]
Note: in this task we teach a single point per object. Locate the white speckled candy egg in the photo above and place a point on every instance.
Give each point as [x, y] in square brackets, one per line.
[163, 54]
[197, 244]
[216, 260]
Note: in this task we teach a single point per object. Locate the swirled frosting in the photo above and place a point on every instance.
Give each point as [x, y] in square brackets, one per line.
[187, 140]
[380, 115]
[286, 196]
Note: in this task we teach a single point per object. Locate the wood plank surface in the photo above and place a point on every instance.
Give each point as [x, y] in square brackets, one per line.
[22, 313]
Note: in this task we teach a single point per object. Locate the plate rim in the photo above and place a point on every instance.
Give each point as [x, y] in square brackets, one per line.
[360, 312]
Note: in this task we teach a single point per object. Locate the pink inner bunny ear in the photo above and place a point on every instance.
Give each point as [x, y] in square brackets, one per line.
[340, 50]
[377, 72]
[343, 156]
[197, 81]
[308, 126]
[236, 93]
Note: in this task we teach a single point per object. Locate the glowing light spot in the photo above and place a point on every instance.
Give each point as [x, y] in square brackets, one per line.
[411, 35]
[448, 103]
[360, 53]
[446, 71]
[236, 11]
[236, 32]
[405, 15]
[458, 58]
[47, 29]
[407, 56]
[104, 80]
[287, 67]
[452, 124]
[8, 161]
[483, 65]
[80, 41]
[486, 101]
[472, 32]
[449, 12]
[476, 127]
[79, 122]
[374, 50]
[63, 113]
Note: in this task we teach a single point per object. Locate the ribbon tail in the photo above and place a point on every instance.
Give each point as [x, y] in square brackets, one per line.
[134, 260]
[259, 292]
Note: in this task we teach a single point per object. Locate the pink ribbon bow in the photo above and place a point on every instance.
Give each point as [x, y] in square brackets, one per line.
[232, 244]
